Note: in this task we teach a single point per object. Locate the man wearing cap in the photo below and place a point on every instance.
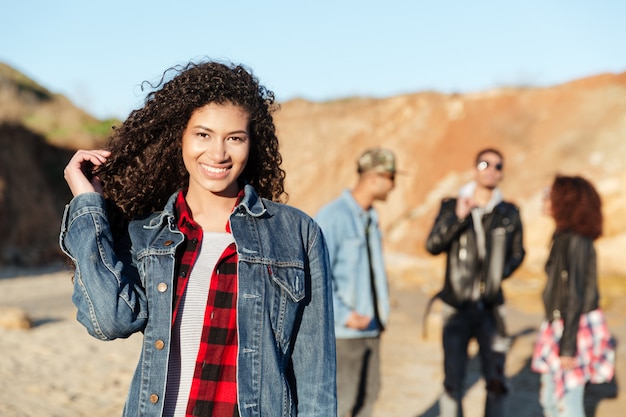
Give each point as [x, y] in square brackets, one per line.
[361, 297]
[481, 235]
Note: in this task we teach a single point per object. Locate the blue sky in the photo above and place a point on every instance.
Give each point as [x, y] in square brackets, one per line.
[98, 53]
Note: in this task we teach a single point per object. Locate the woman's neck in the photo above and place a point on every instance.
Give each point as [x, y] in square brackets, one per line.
[210, 211]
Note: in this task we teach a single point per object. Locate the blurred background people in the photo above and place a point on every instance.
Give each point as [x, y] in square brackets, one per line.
[361, 297]
[574, 345]
[481, 235]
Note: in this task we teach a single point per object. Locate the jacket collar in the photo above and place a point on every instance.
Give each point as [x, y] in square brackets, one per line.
[356, 209]
[167, 215]
[496, 196]
[251, 203]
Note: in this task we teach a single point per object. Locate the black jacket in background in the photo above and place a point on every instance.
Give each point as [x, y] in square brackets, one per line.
[504, 252]
[572, 286]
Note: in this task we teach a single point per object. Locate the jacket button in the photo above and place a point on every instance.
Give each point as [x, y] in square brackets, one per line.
[563, 275]
[159, 344]
[154, 398]
[162, 287]
[168, 243]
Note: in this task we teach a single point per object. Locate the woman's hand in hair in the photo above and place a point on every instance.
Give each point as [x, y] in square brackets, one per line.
[78, 172]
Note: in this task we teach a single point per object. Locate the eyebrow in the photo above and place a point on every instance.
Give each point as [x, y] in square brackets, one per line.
[208, 129]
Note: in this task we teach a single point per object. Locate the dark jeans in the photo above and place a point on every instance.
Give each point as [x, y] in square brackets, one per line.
[459, 327]
[358, 376]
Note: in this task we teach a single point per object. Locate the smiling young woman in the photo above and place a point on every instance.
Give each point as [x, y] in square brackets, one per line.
[179, 233]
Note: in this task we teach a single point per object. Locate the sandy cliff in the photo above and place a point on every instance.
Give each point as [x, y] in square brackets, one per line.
[574, 128]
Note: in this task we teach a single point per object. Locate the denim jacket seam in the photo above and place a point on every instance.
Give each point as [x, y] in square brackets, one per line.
[92, 315]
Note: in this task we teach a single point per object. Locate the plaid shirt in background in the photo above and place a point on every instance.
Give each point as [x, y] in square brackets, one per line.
[595, 353]
[214, 385]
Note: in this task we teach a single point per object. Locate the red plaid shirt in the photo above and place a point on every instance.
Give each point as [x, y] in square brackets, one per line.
[214, 386]
[595, 353]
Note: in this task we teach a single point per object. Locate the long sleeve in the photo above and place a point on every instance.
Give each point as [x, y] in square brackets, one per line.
[516, 251]
[579, 253]
[328, 223]
[446, 229]
[107, 292]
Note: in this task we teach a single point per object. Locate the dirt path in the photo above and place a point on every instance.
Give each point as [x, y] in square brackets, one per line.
[412, 366]
[57, 370]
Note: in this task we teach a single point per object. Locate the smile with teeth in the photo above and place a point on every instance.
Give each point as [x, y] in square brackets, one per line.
[213, 170]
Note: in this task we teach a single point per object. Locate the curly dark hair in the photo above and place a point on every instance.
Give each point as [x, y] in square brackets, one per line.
[146, 164]
[576, 206]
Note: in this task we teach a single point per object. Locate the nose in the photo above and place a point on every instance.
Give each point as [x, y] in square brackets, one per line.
[217, 149]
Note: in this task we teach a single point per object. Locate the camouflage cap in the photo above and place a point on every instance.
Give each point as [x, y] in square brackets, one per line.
[377, 160]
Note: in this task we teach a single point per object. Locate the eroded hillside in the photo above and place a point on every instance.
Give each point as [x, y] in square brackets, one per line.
[574, 128]
[39, 131]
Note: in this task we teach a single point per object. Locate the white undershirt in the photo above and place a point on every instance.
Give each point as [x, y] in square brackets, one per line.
[187, 329]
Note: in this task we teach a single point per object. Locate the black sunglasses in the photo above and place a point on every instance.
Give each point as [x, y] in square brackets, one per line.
[483, 165]
[389, 175]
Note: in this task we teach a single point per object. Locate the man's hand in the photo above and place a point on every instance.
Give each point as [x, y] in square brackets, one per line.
[463, 206]
[358, 321]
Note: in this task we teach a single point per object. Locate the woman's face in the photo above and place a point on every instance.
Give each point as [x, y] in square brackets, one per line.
[215, 147]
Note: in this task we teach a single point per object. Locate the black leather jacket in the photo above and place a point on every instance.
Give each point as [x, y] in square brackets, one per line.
[504, 252]
[572, 287]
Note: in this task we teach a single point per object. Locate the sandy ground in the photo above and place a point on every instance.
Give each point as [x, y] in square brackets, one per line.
[56, 369]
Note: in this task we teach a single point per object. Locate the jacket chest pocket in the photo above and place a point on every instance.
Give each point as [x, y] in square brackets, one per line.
[155, 268]
[286, 298]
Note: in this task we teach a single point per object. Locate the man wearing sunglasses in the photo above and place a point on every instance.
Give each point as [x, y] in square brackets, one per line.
[481, 235]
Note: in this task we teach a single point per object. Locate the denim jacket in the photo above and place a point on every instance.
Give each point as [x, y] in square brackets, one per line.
[343, 223]
[286, 352]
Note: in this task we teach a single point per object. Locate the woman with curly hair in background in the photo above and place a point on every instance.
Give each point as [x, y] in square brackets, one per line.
[574, 345]
[177, 231]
